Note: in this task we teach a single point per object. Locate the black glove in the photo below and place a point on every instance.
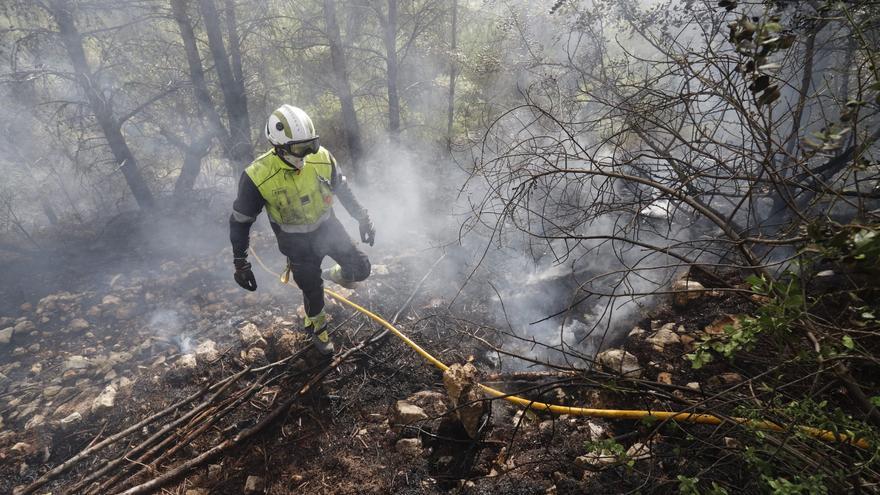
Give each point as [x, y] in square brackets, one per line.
[243, 274]
[368, 232]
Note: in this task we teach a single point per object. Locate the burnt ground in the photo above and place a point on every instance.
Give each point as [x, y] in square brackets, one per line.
[138, 327]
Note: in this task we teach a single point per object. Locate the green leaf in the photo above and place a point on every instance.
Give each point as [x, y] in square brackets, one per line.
[848, 342]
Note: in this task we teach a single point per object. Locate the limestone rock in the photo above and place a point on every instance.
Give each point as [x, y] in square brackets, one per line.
[77, 326]
[187, 361]
[639, 451]
[686, 291]
[406, 413]
[24, 449]
[254, 484]
[24, 327]
[51, 391]
[106, 399]
[72, 418]
[35, 422]
[466, 396]
[636, 332]
[250, 334]
[411, 447]
[620, 361]
[255, 355]
[664, 337]
[76, 363]
[595, 459]
[289, 343]
[111, 300]
[6, 335]
[207, 351]
[433, 403]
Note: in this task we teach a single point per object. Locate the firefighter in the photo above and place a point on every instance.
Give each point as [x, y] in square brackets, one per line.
[296, 181]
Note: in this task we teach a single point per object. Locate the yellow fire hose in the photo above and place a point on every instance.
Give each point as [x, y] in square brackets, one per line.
[686, 417]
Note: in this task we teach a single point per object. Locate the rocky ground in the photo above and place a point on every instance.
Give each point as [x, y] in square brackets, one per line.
[76, 367]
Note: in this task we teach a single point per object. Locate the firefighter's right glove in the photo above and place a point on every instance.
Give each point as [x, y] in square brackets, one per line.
[243, 274]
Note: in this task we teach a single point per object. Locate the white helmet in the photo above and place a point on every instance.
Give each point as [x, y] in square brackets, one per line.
[290, 129]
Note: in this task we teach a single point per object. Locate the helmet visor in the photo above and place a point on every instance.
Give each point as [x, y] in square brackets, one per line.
[300, 149]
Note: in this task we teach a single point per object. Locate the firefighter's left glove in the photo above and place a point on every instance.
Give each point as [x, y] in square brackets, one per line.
[243, 274]
[368, 232]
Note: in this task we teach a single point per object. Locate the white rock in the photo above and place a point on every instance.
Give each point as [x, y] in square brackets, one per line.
[78, 326]
[620, 361]
[664, 337]
[187, 361]
[74, 417]
[638, 451]
[255, 355]
[111, 300]
[406, 413]
[24, 327]
[23, 448]
[254, 484]
[635, 332]
[106, 399]
[686, 291]
[249, 334]
[207, 351]
[75, 363]
[35, 422]
[51, 391]
[596, 459]
[6, 335]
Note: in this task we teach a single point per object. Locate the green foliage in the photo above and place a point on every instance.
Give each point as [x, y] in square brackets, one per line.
[785, 304]
[857, 245]
[690, 486]
[610, 448]
[756, 39]
[801, 485]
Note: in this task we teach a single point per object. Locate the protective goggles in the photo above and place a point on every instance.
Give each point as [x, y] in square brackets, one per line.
[300, 149]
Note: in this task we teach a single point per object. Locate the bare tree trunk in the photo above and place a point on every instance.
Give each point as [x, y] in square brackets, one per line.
[192, 165]
[49, 211]
[782, 197]
[61, 11]
[392, 71]
[234, 46]
[197, 73]
[453, 69]
[233, 90]
[343, 88]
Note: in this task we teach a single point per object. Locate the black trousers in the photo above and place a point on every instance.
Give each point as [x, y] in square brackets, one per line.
[306, 252]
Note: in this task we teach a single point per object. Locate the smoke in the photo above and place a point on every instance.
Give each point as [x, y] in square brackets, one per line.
[167, 326]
